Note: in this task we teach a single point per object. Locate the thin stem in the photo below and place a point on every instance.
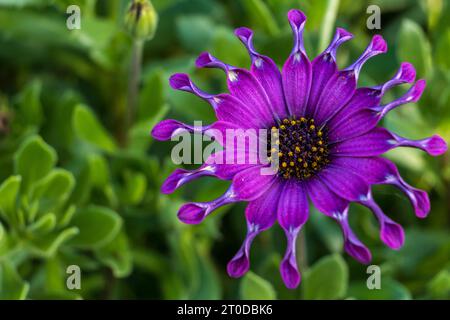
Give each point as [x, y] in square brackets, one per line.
[133, 82]
[302, 254]
[326, 28]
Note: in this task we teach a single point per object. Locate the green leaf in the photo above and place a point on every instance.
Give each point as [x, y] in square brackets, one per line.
[195, 32]
[139, 139]
[328, 231]
[390, 290]
[48, 244]
[327, 279]
[12, 287]
[413, 46]
[434, 10]
[43, 225]
[253, 287]
[442, 49]
[34, 160]
[8, 197]
[29, 104]
[53, 191]
[151, 97]
[439, 286]
[66, 217]
[89, 129]
[97, 225]
[117, 256]
[135, 187]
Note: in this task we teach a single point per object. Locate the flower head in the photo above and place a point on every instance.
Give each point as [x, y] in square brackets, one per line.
[327, 143]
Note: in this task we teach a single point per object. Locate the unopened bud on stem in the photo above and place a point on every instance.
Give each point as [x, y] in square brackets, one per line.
[141, 20]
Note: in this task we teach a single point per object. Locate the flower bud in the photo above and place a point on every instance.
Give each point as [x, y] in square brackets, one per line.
[141, 19]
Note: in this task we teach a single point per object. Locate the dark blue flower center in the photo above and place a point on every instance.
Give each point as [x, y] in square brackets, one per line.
[301, 148]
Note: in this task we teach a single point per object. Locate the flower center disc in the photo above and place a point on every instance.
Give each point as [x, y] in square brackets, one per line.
[301, 148]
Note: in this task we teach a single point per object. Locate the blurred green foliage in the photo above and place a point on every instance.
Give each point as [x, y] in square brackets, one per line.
[79, 188]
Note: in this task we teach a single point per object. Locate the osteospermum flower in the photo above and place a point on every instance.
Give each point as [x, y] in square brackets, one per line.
[329, 144]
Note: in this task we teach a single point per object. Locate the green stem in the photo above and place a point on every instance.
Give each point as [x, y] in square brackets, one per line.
[302, 254]
[328, 21]
[133, 82]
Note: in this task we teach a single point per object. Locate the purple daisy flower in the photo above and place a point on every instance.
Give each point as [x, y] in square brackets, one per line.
[329, 144]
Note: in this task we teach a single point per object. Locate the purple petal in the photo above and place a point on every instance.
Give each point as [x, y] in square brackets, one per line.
[231, 109]
[196, 212]
[250, 184]
[260, 215]
[169, 128]
[434, 146]
[380, 140]
[181, 176]
[373, 143]
[337, 92]
[266, 72]
[324, 67]
[181, 81]
[367, 98]
[391, 233]
[288, 267]
[341, 87]
[227, 107]
[231, 135]
[325, 200]
[377, 46]
[352, 245]
[344, 183]
[406, 74]
[297, 71]
[352, 125]
[383, 171]
[242, 85]
[413, 95]
[293, 211]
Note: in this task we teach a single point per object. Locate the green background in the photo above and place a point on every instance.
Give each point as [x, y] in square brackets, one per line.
[78, 188]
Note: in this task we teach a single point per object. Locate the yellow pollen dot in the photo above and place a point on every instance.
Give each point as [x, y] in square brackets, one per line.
[314, 164]
[320, 142]
[319, 133]
[311, 120]
[284, 164]
[312, 127]
[273, 150]
[280, 154]
[305, 165]
[293, 122]
[277, 142]
[291, 163]
[285, 121]
[314, 149]
[290, 154]
[300, 160]
[274, 129]
[322, 150]
[297, 149]
[302, 119]
[282, 127]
